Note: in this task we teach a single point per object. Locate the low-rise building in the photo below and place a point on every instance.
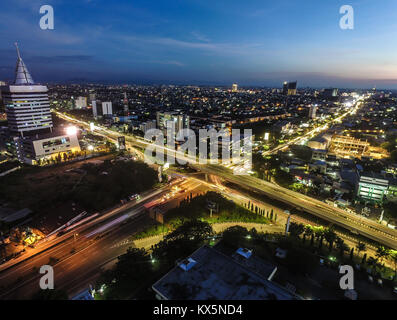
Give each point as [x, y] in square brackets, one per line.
[209, 274]
[371, 188]
[34, 149]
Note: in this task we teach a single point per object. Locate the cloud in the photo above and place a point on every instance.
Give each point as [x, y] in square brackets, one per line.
[199, 36]
[61, 59]
[176, 63]
[224, 49]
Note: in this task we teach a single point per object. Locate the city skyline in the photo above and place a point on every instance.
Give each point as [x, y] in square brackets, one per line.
[201, 43]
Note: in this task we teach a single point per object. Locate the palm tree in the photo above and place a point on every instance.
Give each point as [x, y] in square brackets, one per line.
[351, 254]
[330, 236]
[382, 253]
[341, 245]
[308, 230]
[393, 258]
[296, 229]
[373, 263]
[320, 235]
[361, 247]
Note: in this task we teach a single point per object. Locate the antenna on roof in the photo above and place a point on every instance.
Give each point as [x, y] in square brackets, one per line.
[16, 46]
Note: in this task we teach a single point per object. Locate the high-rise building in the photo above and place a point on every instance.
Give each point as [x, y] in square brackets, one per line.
[330, 92]
[81, 103]
[30, 122]
[285, 88]
[181, 121]
[312, 111]
[107, 108]
[235, 87]
[26, 103]
[94, 109]
[289, 88]
[292, 88]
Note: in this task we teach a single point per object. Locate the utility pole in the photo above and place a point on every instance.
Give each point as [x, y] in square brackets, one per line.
[381, 216]
[288, 222]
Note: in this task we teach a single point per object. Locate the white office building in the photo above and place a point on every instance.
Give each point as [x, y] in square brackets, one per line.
[32, 150]
[107, 108]
[26, 104]
[372, 189]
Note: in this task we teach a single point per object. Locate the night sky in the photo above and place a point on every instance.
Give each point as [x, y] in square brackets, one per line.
[252, 42]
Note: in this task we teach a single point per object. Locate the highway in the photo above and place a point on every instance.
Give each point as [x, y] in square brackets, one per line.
[350, 221]
[54, 240]
[363, 226]
[78, 260]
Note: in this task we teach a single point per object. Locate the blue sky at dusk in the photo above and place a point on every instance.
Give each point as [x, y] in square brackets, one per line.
[203, 42]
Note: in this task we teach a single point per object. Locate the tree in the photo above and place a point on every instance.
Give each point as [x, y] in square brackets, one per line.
[319, 234]
[330, 236]
[232, 236]
[130, 272]
[361, 247]
[382, 253]
[191, 230]
[372, 263]
[393, 257]
[308, 230]
[340, 244]
[296, 229]
[351, 254]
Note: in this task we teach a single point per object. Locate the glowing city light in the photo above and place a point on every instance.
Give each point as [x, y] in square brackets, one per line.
[70, 131]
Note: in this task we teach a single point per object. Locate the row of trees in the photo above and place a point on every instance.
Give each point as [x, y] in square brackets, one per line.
[269, 214]
[226, 210]
[335, 242]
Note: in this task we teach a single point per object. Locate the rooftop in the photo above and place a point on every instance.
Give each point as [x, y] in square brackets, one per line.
[217, 276]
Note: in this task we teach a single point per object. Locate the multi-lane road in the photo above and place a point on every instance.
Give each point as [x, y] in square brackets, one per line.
[79, 255]
[355, 223]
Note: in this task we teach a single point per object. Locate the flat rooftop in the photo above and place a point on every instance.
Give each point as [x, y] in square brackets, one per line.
[216, 276]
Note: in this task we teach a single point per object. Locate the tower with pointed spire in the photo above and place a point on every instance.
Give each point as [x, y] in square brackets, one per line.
[26, 103]
[22, 75]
